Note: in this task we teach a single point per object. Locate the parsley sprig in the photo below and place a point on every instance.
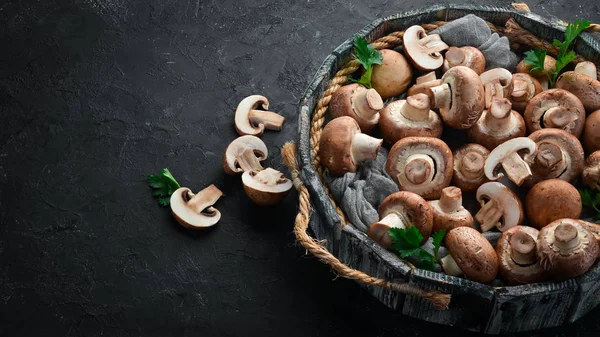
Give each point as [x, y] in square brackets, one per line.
[164, 185]
[408, 243]
[537, 57]
[590, 199]
[367, 56]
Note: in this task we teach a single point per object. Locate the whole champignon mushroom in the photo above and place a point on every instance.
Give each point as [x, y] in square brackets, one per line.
[497, 125]
[342, 146]
[392, 76]
[460, 98]
[497, 83]
[422, 165]
[551, 200]
[244, 154]
[587, 68]
[517, 254]
[591, 172]
[250, 121]
[471, 254]
[469, 161]
[423, 50]
[508, 156]
[555, 108]
[464, 56]
[400, 210]
[559, 155]
[566, 249]
[267, 187]
[358, 102]
[549, 65]
[586, 88]
[448, 211]
[591, 132]
[500, 207]
[525, 88]
[423, 83]
[410, 117]
[196, 211]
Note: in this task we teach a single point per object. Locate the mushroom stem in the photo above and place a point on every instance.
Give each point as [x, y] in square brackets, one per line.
[433, 44]
[566, 237]
[203, 200]
[450, 267]
[549, 161]
[248, 161]
[451, 199]
[492, 90]
[416, 108]
[430, 76]
[587, 68]
[419, 169]
[471, 165]
[498, 116]
[440, 96]
[489, 215]
[394, 221]
[523, 248]
[516, 168]
[543, 82]
[364, 147]
[520, 91]
[560, 117]
[366, 103]
[270, 120]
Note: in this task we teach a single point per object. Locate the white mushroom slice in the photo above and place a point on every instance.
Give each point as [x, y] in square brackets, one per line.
[244, 154]
[507, 154]
[423, 50]
[195, 210]
[498, 83]
[500, 207]
[250, 121]
[267, 187]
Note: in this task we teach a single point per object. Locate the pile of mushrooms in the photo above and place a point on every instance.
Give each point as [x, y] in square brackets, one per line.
[526, 148]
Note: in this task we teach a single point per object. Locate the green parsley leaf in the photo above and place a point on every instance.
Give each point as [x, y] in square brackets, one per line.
[586, 197]
[572, 31]
[367, 56]
[438, 237]
[164, 185]
[407, 243]
[536, 59]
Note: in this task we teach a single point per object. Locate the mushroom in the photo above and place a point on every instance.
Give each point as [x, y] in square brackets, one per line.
[410, 117]
[469, 162]
[448, 211]
[507, 154]
[500, 207]
[497, 125]
[423, 83]
[586, 88]
[566, 249]
[517, 256]
[551, 200]
[549, 65]
[498, 83]
[525, 88]
[422, 165]
[460, 98]
[470, 254]
[559, 155]
[358, 102]
[244, 154]
[196, 211]
[267, 187]
[591, 132]
[594, 229]
[587, 68]
[464, 56]
[342, 146]
[401, 210]
[393, 75]
[591, 172]
[423, 50]
[555, 108]
[250, 121]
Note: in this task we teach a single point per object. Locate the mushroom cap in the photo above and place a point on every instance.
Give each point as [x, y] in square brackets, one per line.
[572, 110]
[491, 132]
[584, 87]
[551, 200]
[473, 253]
[394, 126]
[501, 75]
[392, 76]
[567, 263]
[198, 214]
[470, 157]
[510, 270]
[267, 187]
[502, 151]
[525, 87]
[467, 56]
[243, 126]
[237, 147]
[594, 229]
[572, 154]
[591, 132]
[468, 100]
[591, 172]
[335, 146]
[410, 207]
[447, 221]
[421, 88]
[507, 200]
[341, 105]
[436, 149]
[549, 64]
[421, 56]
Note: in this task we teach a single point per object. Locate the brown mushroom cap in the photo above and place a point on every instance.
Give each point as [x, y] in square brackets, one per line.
[594, 229]
[493, 129]
[566, 249]
[195, 211]
[555, 108]
[464, 56]
[410, 117]
[448, 212]
[525, 87]
[474, 255]
[559, 155]
[549, 64]
[244, 154]
[591, 132]
[422, 165]
[584, 87]
[591, 173]
[358, 102]
[469, 161]
[393, 76]
[516, 250]
[551, 200]
[423, 50]
[267, 187]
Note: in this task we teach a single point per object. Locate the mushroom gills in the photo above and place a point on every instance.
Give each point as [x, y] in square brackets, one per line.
[419, 169]
[490, 215]
[450, 267]
[559, 117]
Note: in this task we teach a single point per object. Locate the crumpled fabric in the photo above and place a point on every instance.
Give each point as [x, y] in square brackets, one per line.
[472, 30]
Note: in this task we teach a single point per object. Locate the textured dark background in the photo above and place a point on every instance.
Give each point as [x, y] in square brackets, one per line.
[94, 94]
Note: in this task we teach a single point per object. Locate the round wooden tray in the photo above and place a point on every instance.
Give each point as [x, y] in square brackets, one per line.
[474, 306]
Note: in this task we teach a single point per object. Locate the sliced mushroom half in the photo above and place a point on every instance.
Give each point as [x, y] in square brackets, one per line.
[500, 207]
[525, 88]
[196, 211]
[498, 83]
[244, 154]
[267, 187]
[423, 50]
[508, 156]
[249, 120]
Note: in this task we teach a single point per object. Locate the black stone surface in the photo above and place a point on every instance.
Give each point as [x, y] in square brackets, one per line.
[94, 94]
